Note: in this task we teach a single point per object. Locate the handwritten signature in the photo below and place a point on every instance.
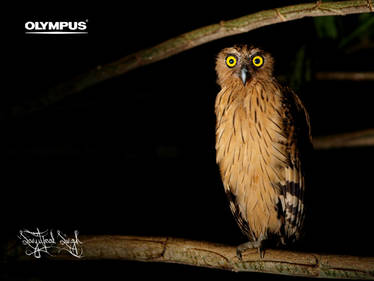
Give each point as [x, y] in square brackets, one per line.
[71, 244]
[38, 242]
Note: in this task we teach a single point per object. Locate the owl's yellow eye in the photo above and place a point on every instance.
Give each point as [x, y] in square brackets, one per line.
[258, 61]
[231, 61]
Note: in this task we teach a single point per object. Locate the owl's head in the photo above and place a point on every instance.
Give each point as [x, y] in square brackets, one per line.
[243, 64]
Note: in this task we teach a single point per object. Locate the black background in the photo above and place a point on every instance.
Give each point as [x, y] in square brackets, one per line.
[135, 155]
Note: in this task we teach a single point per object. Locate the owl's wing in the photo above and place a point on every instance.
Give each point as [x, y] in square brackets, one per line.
[297, 128]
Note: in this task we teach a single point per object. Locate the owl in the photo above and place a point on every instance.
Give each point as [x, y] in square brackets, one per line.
[262, 139]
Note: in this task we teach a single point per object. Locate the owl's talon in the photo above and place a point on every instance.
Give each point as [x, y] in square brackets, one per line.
[250, 245]
[261, 252]
[238, 254]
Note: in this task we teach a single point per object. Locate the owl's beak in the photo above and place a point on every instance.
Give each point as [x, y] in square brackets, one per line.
[243, 74]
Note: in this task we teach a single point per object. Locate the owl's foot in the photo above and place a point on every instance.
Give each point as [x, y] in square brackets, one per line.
[251, 245]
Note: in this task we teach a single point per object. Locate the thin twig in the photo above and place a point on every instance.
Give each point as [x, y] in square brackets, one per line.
[354, 139]
[352, 76]
[211, 255]
[192, 39]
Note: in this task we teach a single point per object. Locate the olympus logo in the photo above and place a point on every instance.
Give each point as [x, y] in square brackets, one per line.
[57, 27]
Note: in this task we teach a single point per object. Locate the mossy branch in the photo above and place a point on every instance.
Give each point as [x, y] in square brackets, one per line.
[212, 255]
[192, 39]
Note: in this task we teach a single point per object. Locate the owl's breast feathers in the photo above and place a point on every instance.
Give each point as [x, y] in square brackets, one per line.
[262, 131]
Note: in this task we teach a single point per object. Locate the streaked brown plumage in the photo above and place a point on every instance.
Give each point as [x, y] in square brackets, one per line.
[262, 133]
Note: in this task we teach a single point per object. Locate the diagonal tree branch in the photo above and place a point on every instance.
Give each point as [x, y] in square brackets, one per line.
[192, 39]
[211, 255]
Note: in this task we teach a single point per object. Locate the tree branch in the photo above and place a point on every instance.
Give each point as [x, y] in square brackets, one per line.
[192, 39]
[211, 255]
[354, 139]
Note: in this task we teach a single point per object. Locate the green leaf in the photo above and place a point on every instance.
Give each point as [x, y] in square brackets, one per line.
[326, 27]
[297, 76]
[365, 28]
